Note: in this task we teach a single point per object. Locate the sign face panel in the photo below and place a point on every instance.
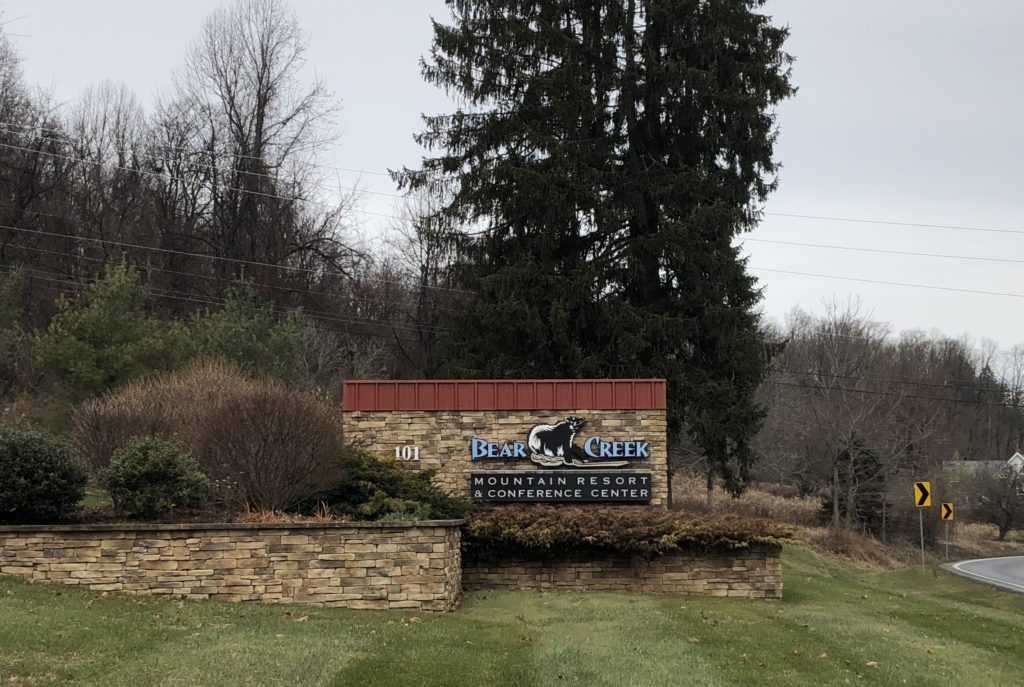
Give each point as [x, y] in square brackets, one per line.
[923, 494]
[561, 486]
[947, 511]
[554, 445]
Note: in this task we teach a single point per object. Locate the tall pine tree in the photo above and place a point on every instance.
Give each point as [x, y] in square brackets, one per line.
[605, 155]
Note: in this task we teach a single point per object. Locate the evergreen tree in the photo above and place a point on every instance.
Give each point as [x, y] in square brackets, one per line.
[251, 334]
[106, 338]
[606, 155]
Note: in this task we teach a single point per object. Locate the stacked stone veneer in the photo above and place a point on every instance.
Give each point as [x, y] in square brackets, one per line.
[754, 573]
[359, 565]
[444, 439]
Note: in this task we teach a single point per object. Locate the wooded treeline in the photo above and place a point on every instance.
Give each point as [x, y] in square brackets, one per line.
[859, 413]
[577, 218]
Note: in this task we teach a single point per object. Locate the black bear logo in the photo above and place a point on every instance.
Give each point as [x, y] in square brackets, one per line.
[555, 441]
[552, 445]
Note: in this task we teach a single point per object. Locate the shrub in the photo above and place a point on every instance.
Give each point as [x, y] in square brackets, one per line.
[262, 445]
[272, 448]
[150, 477]
[558, 530]
[377, 489]
[41, 478]
[172, 406]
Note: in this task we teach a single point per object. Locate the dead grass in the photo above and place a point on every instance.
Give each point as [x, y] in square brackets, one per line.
[851, 547]
[690, 494]
[969, 540]
[977, 540]
[263, 516]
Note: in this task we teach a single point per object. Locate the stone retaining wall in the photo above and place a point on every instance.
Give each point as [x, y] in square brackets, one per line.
[355, 565]
[443, 438]
[754, 573]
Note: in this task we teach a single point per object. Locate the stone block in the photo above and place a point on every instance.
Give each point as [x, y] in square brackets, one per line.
[368, 604]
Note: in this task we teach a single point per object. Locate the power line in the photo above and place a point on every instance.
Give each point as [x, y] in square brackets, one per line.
[936, 385]
[177, 295]
[890, 283]
[289, 289]
[824, 276]
[896, 224]
[874, 392]
[312, 323]
[72, 142]
[882, 250]
[398, 195]
[169, 294]
[123, 244]
[161, 175]
[452, 289]
[188, 150]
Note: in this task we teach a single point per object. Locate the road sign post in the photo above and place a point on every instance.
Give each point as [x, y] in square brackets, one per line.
[922, 499]
[947, 517]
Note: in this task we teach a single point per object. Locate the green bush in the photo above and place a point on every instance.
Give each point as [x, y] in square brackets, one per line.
[41, 478]
[150, 477]
[550, 530]
[377, 489]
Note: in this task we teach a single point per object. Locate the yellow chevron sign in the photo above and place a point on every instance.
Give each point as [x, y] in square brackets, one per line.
[923, 494]
[947, 511]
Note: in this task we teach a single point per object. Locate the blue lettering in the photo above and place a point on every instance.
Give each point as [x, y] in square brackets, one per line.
[478, 448]
[596, 448]
[520, 450]
[506, 451]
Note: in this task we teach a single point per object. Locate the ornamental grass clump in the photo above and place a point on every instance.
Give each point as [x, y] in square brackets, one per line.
[557, 531]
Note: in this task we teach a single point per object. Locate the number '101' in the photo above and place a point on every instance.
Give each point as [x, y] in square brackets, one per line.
[407, 452]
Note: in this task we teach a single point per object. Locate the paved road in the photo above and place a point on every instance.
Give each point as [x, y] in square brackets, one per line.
[1005, 573]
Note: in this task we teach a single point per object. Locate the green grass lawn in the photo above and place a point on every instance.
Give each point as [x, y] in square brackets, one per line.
[837, 625]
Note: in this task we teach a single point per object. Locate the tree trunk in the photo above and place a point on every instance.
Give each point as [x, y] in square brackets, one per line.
[851, 502]
[835, 496]
[884, 513]
[711, 489]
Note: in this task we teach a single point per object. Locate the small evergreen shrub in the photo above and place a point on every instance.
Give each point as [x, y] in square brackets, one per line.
[379, 489]
[150, 477]
[41, 478]
[642, 532]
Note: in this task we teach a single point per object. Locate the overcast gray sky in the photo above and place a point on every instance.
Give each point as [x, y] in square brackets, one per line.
[908, 111]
